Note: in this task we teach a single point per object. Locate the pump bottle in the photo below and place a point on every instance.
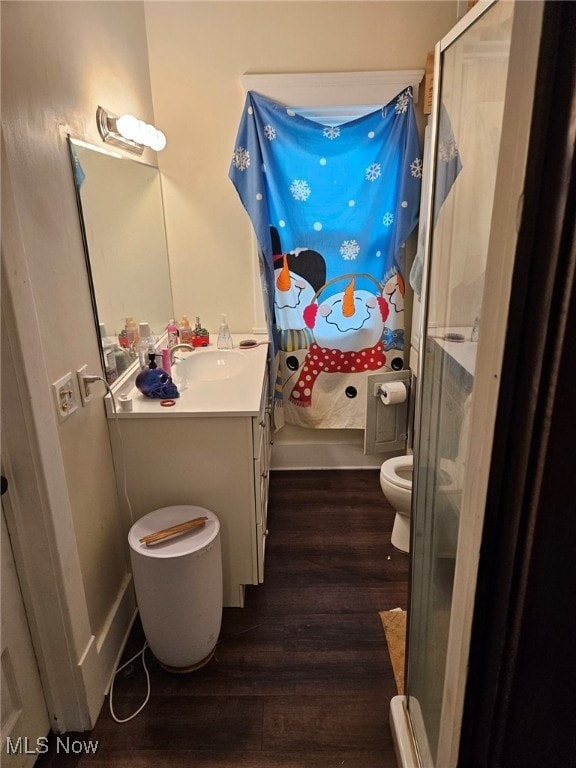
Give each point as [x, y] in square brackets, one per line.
[224, 336]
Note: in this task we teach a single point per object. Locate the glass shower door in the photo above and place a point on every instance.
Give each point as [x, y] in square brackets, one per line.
[471, 69]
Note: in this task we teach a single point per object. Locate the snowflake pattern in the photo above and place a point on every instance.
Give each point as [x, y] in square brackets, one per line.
[349, 249]
[300, 190]
[388, 219]
[332, 132]
[241, 158]
[270, 132]
[416, 168]
[401, 103]
[373, 171]
[447, 150]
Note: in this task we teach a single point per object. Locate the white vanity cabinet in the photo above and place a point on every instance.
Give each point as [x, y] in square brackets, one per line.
[216, 459]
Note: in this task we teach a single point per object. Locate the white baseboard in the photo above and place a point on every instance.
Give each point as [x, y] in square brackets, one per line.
[322, 456]
[100, 657]
[299, 448]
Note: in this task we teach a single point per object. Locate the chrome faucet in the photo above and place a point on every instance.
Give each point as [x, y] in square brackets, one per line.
[179, 346]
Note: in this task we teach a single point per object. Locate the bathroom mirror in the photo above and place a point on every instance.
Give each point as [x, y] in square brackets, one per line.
[122, 221]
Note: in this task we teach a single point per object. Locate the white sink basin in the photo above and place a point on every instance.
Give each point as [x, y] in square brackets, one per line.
[211, 365]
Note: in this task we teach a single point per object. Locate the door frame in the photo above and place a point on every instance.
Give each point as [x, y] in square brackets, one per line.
[519, 700]
[491, 362]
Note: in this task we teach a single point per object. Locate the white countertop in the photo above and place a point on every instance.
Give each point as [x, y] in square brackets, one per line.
[239, 395]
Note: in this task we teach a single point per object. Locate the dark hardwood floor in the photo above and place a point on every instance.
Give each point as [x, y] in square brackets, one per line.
[301, 677]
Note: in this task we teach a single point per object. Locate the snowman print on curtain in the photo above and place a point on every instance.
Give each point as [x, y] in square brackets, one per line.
[332, 207]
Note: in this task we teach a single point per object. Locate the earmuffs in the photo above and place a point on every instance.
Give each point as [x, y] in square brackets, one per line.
[311, 310]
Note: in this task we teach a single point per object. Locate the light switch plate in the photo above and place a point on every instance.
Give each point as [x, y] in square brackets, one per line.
[65, 396]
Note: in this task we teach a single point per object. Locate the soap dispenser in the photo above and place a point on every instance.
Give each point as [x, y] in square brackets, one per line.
[224, 337]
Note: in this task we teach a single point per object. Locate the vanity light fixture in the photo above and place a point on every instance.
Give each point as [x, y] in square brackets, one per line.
[128, 132]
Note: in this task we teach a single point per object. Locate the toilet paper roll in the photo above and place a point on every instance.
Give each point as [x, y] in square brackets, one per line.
[393, 393]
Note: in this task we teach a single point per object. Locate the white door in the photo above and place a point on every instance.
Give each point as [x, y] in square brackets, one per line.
[25, 721]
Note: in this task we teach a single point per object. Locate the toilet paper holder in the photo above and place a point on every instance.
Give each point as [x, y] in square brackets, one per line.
[377, 391]
[393, 393]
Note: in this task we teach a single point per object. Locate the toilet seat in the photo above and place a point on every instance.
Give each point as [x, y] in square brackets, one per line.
[392, 468]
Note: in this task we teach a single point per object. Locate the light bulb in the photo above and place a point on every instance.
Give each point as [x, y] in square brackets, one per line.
[141, 132]
[127, 126]
[149, 135]
[159, 142]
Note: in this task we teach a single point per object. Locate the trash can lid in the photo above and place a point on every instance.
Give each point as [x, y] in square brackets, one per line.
[177, 546]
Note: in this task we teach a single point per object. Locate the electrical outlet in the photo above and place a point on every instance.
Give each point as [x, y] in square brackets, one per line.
[65, 396]
[83, 386]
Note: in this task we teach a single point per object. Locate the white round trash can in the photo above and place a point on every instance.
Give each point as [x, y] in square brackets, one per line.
[178, 583]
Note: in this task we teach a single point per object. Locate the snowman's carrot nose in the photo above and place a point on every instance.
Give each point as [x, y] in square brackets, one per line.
[348, 308]
[283, 280]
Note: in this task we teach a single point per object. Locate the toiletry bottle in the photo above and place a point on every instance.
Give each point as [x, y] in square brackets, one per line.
[172, 330]
[145, 344]
[224, 337]
[166, 364]
[186, 332]
[131, 334]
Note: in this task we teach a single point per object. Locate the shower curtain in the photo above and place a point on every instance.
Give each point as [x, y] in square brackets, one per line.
[331, 206]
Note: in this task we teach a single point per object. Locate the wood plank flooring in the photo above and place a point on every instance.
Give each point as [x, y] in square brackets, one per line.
[301, 677]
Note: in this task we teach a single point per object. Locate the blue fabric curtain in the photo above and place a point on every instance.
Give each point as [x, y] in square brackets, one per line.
[331, 206]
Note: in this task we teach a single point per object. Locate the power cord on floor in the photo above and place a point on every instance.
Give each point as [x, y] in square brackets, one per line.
[91, 379]
[111, 695]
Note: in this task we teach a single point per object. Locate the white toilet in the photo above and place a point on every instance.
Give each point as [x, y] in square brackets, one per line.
[396, 484]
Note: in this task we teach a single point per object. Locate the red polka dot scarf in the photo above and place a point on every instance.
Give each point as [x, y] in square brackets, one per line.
[321, 360]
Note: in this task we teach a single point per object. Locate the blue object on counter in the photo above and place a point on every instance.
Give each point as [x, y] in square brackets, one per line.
[156, 383]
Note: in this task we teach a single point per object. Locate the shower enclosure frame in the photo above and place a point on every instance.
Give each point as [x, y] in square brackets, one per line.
[518, 107]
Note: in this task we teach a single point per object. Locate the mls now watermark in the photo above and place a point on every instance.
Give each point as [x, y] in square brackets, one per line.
[63, 745]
